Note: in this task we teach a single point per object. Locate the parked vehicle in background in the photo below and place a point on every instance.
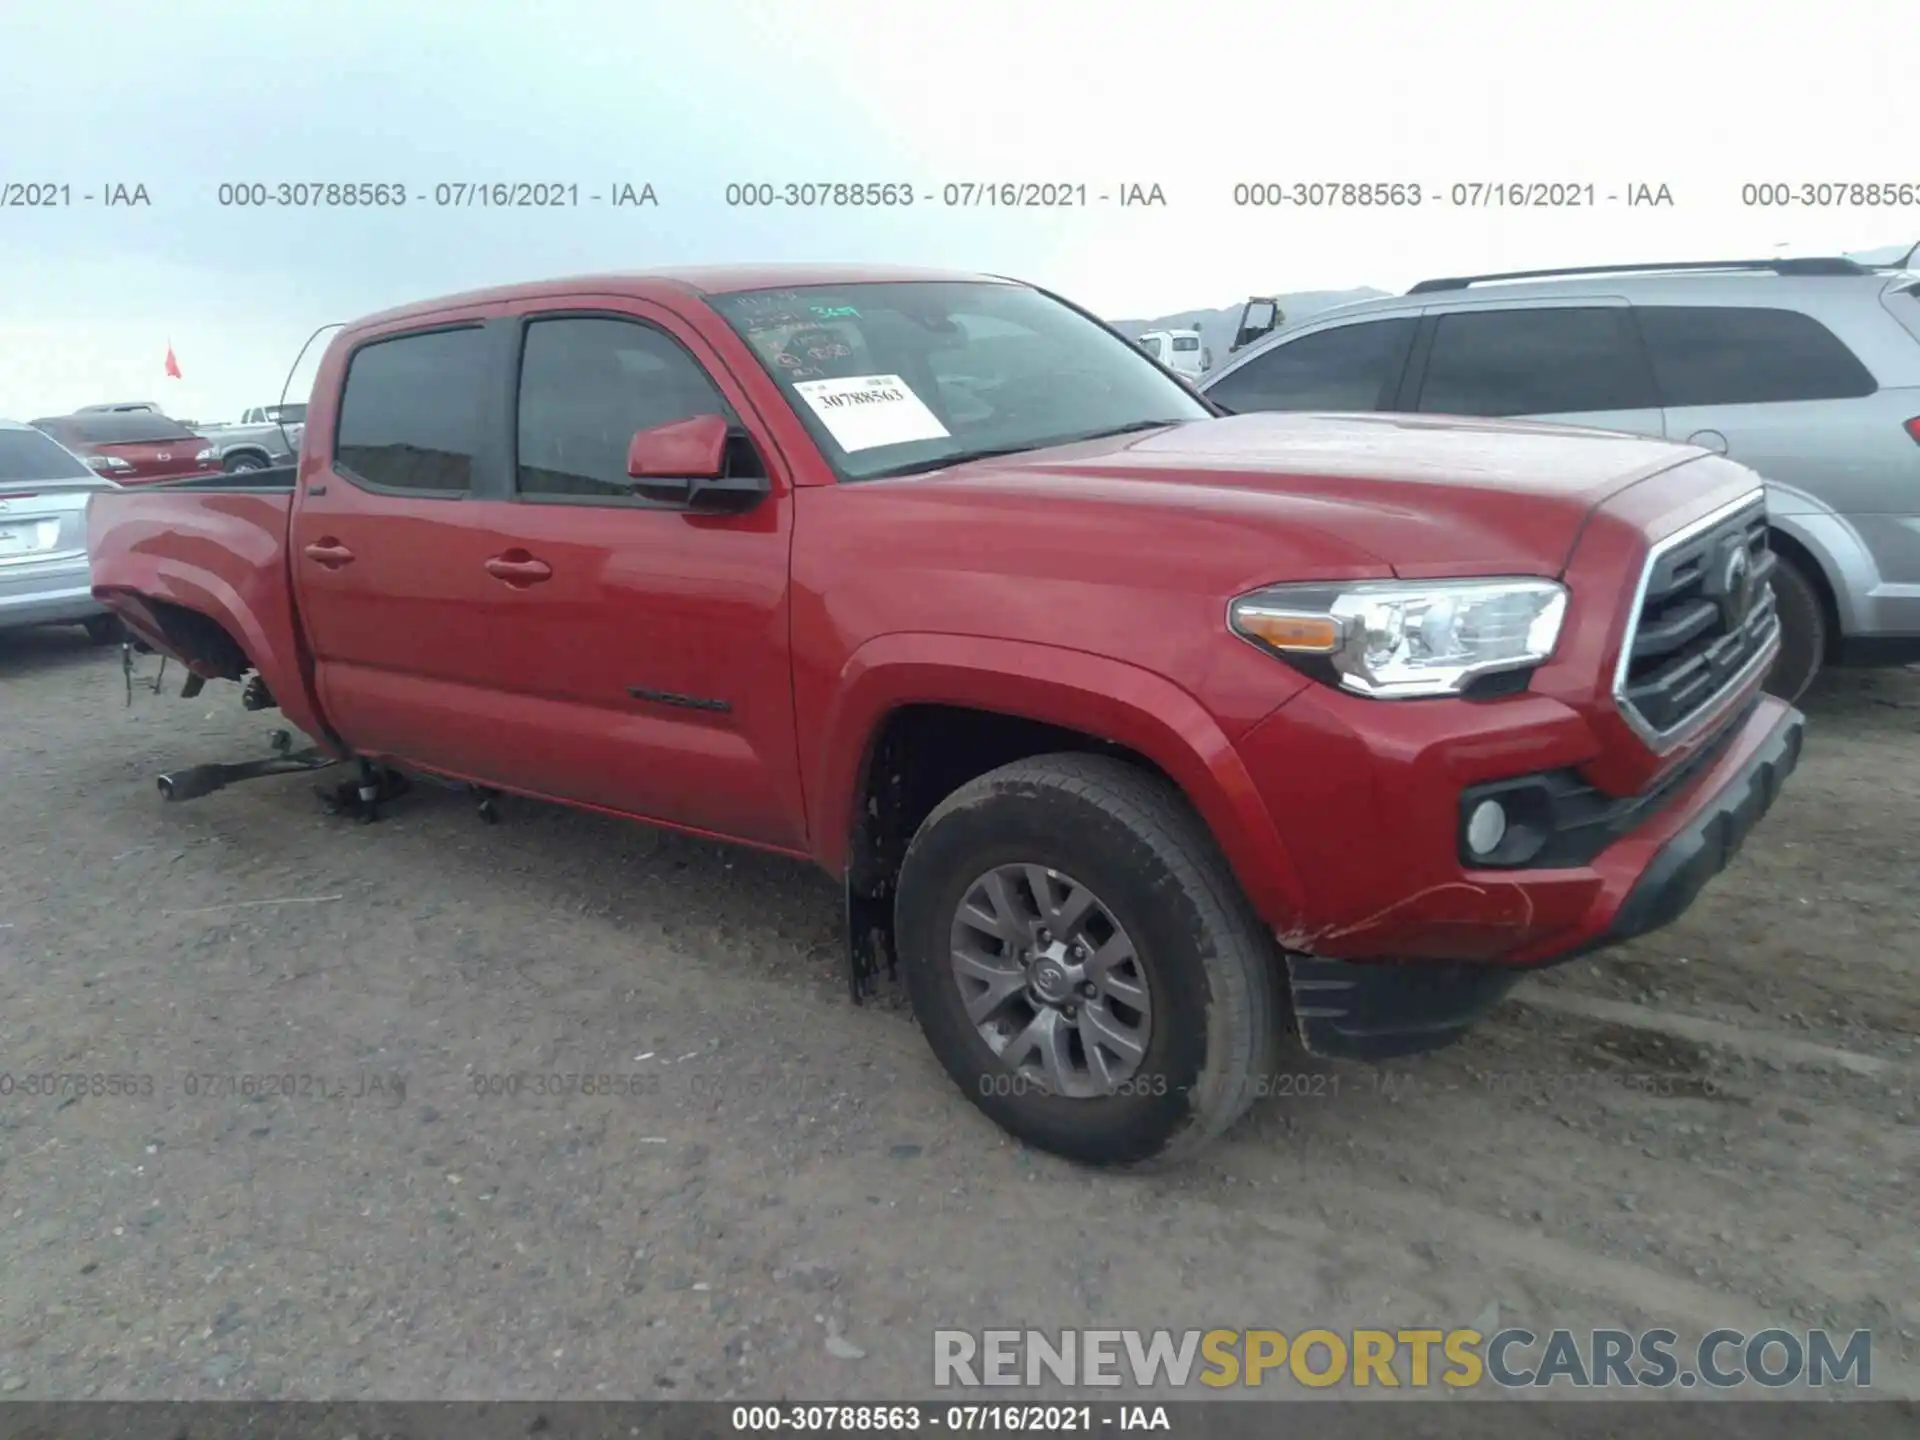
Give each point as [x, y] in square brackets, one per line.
[1088, 696]
[266, 435]
[121, 407]
[289, 414]
[133, 447]
[1179, 350]
[1808, 370]
[44, 575]
[1259, 317]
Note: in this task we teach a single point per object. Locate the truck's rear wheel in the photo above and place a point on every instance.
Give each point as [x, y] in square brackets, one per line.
[1803, 632]
[1083, 962]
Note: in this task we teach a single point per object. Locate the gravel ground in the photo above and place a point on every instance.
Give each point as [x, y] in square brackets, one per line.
[791, 1196]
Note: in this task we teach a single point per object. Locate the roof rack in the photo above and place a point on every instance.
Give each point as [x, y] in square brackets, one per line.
[1811, 265]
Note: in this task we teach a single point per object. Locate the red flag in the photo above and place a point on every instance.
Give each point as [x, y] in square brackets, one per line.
[173, 365]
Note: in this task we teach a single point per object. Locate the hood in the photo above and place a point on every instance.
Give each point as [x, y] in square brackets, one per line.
[1428, 496]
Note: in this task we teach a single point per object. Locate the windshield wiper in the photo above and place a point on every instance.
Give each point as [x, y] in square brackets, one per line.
[962, 457]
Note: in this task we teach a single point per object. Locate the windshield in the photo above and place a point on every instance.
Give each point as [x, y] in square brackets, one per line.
[892, 377]
[29, 455]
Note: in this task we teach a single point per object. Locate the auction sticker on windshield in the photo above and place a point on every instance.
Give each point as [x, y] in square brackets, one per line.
[862, 412]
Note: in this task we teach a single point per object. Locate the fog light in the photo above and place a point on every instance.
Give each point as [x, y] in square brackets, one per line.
[1486, 827]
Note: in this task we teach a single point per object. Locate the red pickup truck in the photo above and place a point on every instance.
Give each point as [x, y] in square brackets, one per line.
[1138, 733]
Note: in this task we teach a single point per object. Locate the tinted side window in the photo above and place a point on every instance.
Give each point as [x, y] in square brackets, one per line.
[1350, 367]
[1547, 361]
[586, 385]
[411, 411]
[1742, 355]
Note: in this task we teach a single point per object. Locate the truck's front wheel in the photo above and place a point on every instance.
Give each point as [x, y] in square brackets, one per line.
[1082, 961]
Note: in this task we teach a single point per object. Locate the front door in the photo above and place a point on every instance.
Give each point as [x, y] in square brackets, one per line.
[638, 651]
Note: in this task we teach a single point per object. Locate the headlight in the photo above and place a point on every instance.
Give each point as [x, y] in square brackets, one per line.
[1396, 640]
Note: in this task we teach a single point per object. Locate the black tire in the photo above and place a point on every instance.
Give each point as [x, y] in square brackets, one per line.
[1208, 963]
[1803, 631]
[104, 629]
[241, 463]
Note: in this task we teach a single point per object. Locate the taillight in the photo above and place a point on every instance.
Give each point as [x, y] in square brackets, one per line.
[1913, 429]
[207, 457]
[107, 464]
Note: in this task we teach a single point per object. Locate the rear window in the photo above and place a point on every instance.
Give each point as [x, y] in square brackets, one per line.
[285, 414]
[1747, 355]
[410, 412]
[125, 428]
[1186, 342]
[29, 455]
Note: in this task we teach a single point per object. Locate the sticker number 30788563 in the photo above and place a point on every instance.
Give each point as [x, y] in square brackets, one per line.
[862, 412]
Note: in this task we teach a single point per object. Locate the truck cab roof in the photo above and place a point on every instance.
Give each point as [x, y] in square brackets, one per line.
[693, 280]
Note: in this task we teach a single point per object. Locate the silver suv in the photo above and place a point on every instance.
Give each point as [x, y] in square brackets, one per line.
[1808, 370]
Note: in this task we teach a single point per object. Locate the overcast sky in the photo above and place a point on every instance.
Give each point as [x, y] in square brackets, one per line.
[690, 95]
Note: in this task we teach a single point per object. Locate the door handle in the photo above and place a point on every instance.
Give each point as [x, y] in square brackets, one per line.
[328, 552]
[518, 568]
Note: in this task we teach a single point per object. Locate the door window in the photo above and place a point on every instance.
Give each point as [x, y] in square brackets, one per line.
[1550, 360]
[1349, 367]
[586, 385]
[411, 412]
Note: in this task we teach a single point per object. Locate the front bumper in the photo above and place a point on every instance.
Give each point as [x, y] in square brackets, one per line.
[47, 594]
[1383, 1007]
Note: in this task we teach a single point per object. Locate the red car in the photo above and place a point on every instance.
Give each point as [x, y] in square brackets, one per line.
[133, 447]
[1133, 731]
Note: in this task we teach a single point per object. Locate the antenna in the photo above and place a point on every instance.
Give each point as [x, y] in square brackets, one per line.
[287, 385]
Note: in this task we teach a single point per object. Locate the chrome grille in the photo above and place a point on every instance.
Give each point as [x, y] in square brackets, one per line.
[1703, 622]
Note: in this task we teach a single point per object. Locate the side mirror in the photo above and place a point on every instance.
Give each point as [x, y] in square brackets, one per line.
[684, 462]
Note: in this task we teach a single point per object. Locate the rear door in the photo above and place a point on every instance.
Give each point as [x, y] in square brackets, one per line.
[1565, 361]
[388, 545]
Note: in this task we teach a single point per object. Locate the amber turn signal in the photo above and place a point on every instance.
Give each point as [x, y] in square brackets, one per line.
[1293, 633]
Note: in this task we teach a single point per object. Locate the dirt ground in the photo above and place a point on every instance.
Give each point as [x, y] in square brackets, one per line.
[792, 1197]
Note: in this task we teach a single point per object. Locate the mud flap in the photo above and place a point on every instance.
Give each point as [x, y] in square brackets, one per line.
[870, 949]
[1343, 1010]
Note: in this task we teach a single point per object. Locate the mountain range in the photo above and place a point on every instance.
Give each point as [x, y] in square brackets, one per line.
[1217, 327]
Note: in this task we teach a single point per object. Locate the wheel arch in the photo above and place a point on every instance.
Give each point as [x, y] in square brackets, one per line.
[916, 716]
[1797, 552]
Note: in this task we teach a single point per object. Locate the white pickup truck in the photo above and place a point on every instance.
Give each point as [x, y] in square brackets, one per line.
[266, 435]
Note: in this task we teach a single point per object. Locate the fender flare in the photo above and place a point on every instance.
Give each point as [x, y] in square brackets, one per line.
[1073, 689]
[289, 677]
